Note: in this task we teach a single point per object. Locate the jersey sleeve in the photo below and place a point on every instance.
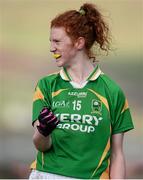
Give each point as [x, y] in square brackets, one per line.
[41, 99]
[122, 120]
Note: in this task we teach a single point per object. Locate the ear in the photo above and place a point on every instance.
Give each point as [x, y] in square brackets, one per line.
[80, 43]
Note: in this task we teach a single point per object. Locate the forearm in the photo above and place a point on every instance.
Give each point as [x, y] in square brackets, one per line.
[41, 142]
[117, 166]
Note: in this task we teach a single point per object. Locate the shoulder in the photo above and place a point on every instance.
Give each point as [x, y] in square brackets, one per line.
[112, 88]
[109, 83]
[114, 92]
[50, 77]
[46, 81]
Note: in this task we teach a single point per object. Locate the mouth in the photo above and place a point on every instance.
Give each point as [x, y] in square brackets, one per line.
[57, 56]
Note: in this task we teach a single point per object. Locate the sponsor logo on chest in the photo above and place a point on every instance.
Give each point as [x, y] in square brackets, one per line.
[78, 94]
[76, 122]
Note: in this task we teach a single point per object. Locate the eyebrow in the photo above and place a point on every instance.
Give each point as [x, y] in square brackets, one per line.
[54, 39]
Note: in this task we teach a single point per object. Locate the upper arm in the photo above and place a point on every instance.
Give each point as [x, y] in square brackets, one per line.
[121, 117]
[40, 99]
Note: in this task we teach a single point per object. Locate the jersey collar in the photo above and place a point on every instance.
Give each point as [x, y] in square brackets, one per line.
[92, 77]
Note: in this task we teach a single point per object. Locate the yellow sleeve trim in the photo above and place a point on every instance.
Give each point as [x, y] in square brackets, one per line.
[38, 94]
[56, 93]
[126, 106]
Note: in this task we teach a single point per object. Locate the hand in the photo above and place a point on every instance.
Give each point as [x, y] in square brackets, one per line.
[47, 122]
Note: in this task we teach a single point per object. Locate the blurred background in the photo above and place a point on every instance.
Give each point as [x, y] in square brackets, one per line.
[25, 58]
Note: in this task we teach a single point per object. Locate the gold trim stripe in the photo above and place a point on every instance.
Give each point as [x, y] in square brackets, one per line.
[63, 75]
[103, 156]
[95, 75]
[38, 94]
[56, 93]
[107, 148]
[126, 106]
[103, 99]
[105, 174]
[33, 165]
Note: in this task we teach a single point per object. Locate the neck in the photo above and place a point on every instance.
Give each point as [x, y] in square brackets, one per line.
[80, 68]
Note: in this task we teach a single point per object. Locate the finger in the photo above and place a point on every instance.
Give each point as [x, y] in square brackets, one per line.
[57, 122]
[47, 117]
[52, 119]
[53, 123]
[43, 114]
[44, 110]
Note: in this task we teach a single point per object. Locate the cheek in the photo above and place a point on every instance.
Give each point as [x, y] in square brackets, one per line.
[69, 51]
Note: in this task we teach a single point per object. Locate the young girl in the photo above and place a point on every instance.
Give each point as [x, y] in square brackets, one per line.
[79, 114]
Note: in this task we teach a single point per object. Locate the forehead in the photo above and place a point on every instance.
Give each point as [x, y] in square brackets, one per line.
[58, 33]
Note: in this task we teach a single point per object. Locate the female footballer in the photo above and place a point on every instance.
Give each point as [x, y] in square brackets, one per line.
[79, 113]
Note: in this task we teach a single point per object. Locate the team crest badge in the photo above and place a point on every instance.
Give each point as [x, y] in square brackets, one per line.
[96, 106]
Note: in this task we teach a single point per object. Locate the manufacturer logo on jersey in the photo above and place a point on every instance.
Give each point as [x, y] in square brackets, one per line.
[96, 106]
[78, 94]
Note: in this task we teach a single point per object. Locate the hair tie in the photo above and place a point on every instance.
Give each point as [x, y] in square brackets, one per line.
[82, 12]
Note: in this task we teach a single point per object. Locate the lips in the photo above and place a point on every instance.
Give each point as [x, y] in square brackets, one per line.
[56, 56]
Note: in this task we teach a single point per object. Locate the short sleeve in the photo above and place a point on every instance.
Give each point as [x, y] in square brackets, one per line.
[122, 120]
[40, 99]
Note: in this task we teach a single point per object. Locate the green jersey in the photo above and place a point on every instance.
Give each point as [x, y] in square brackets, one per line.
[89, 116]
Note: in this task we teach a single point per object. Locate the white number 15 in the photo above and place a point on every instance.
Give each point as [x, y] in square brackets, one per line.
[76, 105]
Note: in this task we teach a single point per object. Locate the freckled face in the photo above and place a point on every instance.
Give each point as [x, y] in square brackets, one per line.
[62, 46]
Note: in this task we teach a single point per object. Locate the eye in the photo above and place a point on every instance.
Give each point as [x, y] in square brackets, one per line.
[57, 41]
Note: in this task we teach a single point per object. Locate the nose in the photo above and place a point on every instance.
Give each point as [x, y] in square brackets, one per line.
[52, 47]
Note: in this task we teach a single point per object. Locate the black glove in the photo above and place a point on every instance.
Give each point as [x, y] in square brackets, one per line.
[48, 122]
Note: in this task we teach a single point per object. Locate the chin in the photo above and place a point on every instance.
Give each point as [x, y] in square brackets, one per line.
[60, 64]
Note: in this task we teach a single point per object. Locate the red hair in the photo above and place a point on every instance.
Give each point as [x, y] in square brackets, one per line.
[88, 24]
